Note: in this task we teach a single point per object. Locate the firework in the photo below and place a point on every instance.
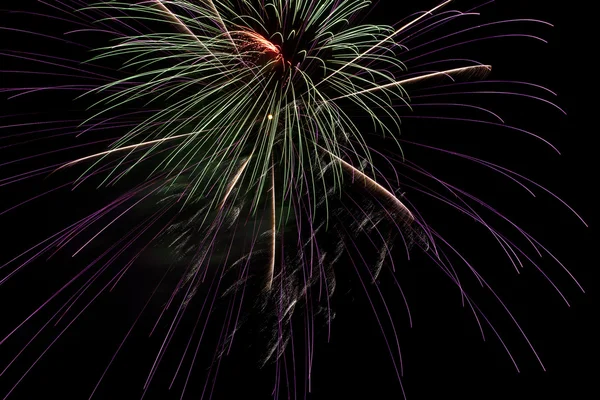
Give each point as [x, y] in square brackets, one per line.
[256, 146]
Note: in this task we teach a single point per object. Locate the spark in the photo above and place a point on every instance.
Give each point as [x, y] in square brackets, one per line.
[261, 43]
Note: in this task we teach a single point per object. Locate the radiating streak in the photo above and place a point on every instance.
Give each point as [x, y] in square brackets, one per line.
[273, 231]
[220, 20]
[375, 185]
[133, 146]
[414, 21]
[234, 181]
[183, 27]
[417, 79]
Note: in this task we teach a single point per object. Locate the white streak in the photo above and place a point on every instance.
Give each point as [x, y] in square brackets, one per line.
[376, 186]
[183, 27]
[448, 72]
[234, 181]
[133, 146]
[273, 231]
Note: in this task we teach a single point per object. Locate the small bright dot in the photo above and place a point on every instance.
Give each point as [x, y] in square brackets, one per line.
[270, 116]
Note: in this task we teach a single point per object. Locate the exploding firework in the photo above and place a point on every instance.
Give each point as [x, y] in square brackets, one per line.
[252, 152]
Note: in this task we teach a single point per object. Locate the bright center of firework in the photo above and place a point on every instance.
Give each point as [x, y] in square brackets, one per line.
[270, 116]
[256, 42]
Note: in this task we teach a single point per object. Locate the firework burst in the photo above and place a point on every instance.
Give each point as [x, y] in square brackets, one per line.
[257, 143]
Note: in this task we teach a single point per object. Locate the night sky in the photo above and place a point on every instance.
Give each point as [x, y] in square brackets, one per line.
[443, 353]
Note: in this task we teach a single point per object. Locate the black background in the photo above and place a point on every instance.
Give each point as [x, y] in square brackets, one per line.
[444, 356]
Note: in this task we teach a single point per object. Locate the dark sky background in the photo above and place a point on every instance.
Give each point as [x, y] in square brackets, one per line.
[444, 356]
